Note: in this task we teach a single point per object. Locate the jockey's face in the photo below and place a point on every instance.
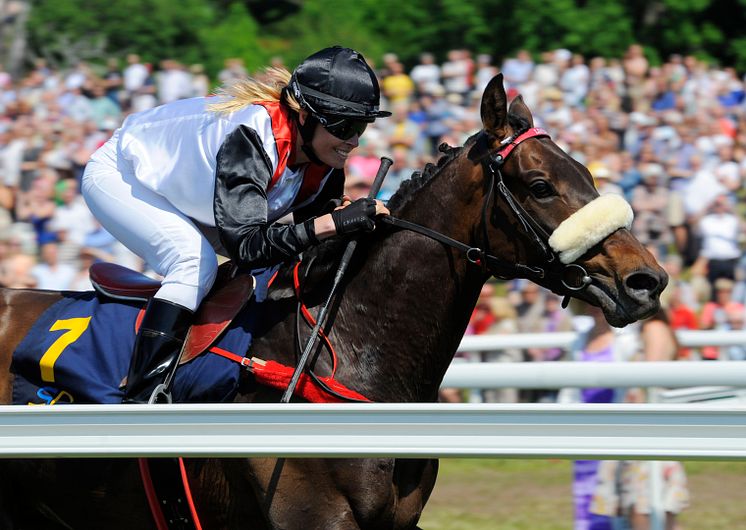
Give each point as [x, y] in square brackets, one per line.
[330, 149]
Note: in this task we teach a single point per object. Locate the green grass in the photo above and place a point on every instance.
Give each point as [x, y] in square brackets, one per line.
[485, 494]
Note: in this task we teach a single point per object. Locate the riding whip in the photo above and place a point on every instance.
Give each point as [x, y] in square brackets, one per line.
[345, 261]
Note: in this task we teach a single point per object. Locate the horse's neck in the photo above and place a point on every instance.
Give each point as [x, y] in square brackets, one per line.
[404, 313]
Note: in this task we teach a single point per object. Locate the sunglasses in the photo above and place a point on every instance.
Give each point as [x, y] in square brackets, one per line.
[345, 128]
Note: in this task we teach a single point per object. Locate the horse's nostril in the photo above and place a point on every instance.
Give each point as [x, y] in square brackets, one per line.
[642, 281]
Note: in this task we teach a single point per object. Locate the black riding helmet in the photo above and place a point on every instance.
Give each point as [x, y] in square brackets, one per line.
[338, 89]
[337, 82]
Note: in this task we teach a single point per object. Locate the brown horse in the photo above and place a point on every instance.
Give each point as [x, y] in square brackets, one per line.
[398, 318]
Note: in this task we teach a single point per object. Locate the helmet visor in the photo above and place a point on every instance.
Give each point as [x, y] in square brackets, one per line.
[344, 128]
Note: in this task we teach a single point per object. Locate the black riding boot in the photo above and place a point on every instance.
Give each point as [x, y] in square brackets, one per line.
[157, 347]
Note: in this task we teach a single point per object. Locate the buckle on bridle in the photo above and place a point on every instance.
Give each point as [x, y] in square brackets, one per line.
[585, 279]
[475, 255]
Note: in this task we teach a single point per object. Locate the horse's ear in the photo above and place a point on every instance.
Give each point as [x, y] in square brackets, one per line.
[519, 108]
[494, 107]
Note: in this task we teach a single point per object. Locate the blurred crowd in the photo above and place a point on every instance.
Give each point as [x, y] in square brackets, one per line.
[671, 139]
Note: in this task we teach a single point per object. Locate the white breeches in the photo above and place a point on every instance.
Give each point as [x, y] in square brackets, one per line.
[155, 230]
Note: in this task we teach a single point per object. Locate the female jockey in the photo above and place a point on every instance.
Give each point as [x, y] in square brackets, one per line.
[234, 164]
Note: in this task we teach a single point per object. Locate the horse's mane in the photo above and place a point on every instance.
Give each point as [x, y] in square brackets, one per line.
[419, 178]
[409, 187]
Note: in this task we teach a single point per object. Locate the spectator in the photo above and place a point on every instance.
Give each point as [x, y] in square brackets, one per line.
[199, 80]
[682, 315]
[50, 273]
[457, 73]
[485, 72]
[555, 112]
[602, 179]
[598, 343]
[517, 70]
[426, 75]
[649, 202]
[72, 220]
[134, 76]
[113, 81]
[525, 296]
[77, 77]
[81, 281]
[364, 162]
[36, 206]
[13, 142]
[630, 176]
[233, 70]
[104, 112]
[401, 131]
[439, 115]
[715, 314]
[505, 323]
[16, 265]
[553, 319]
[78, 105]
[721, 231]
[389, 59]
[700, 190]
[725, 168]
[145, 96]
[736, 320]
[173, 82]
[635, 69]
[397, 86]
[575, 81]
[622, 491]
[546, 72]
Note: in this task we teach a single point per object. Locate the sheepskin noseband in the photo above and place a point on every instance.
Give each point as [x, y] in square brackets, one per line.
[590, 225]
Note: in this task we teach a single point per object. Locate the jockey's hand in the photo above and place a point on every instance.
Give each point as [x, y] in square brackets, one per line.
[358, 216]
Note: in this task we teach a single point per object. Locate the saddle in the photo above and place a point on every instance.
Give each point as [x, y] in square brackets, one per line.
[227, 297]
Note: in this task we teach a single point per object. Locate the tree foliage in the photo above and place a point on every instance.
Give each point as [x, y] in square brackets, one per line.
[210, 30]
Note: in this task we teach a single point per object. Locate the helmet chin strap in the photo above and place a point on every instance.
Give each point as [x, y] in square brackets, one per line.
[307, 130]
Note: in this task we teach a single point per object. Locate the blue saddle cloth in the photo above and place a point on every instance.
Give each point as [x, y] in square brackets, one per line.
[80, 348]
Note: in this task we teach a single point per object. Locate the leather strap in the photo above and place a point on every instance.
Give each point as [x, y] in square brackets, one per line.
[168, 494]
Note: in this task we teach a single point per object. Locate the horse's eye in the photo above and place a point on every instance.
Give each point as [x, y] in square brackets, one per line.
[541, 189]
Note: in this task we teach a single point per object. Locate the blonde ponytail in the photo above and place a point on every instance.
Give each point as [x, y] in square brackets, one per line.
[240, 94]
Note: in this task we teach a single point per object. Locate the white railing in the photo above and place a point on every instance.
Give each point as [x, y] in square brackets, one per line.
[565, 339]
[679, 374]
[376, 430]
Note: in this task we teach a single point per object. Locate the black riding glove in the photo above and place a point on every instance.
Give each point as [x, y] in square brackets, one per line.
[357, 217]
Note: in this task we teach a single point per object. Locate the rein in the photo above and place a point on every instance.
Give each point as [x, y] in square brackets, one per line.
[491, 164]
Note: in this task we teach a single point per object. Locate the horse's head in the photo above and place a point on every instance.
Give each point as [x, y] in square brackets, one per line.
[562, 235]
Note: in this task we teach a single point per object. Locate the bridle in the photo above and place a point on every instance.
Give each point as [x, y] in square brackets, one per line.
[492, 162]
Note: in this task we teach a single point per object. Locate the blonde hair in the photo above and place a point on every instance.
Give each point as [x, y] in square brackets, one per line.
[267, 87]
